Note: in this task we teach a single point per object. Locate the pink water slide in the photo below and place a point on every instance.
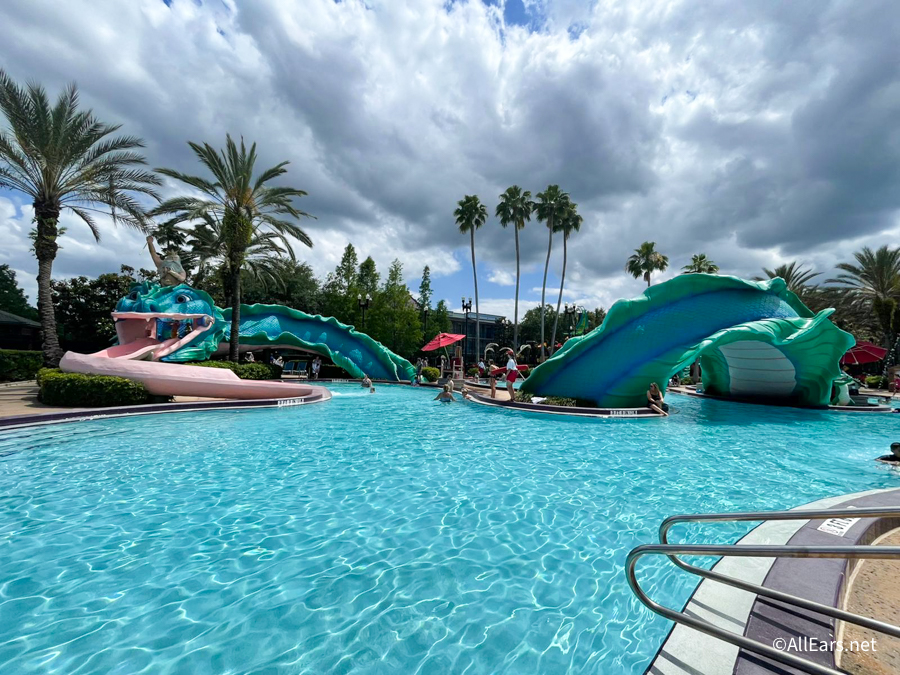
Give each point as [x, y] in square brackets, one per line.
[172, 379]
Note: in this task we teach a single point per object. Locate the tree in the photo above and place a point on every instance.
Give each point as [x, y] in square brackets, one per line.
[873, 283]
[425, 299]
[425, 289]
[368, 278]
[83, 306]
[515, 208]
[551, 204]
[471, 214]
[440, 321]
[532, 322]
[262, 263]
[596, 318]
[13, 298]
[700, 264]
[645, 260]
[296, 286]
[569, 222]
[876, 274]
[796, 278]
[394, 319]
[241, 206]
[65, 158]
[340, 290]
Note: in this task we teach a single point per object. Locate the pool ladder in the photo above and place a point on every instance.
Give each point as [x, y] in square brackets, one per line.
[672, 551]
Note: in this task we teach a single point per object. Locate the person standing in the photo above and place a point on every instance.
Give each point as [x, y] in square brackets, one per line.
[512, 374]
[419, 365]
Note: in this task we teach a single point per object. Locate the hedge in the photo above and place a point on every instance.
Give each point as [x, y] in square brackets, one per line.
[876, 382]
[89, 391]
[246, 371]
[431, 374]
[17, 365]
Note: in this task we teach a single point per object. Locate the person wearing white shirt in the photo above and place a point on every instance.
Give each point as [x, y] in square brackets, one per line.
[512, 374]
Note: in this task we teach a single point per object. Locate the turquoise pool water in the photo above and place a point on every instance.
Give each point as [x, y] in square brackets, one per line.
[381, 533]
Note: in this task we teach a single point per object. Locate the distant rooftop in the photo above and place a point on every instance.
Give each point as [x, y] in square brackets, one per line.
[460, 316]
[9, 318]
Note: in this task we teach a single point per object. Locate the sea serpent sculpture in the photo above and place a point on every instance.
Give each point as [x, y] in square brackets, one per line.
[189, 327]
[755, 340]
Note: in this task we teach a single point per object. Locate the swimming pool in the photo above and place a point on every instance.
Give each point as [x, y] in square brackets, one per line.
[381, 533]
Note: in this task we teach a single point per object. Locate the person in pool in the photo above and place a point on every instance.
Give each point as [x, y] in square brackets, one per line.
[655, 400]
[367, 383]
[446, 396]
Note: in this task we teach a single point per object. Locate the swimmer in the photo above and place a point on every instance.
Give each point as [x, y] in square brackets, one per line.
[367, 383]
[446, 396]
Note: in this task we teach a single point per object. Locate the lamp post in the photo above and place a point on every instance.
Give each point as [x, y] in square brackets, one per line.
[363, 306]
[467, 307]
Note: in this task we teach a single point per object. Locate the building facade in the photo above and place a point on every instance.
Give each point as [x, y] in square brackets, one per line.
[491, 327]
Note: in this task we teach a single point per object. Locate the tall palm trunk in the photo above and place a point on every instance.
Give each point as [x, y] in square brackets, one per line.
[647, 277]
[234, 353]
[45, 248]
[477, 314]
[544, 286]
[516, 311]
[562, 283]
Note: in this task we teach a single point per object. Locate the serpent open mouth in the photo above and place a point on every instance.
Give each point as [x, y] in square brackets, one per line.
[170, 331]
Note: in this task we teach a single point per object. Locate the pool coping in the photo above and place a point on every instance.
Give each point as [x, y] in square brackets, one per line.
[880, 409]
[568, 411]
[686, 651]
[319, 395]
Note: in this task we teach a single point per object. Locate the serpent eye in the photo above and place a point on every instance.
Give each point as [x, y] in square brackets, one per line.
[183, 297]
[133, 295]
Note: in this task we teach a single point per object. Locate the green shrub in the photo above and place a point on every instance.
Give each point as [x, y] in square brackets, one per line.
[89, 391]
[246, 371]
[876, 382]
[472, 372]
[524, 373]
[44, 372]
[687, 380]
[17, 365]
[431, 374]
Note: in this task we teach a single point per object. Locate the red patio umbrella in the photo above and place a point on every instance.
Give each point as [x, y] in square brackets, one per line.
[864, 352]
[442, 340]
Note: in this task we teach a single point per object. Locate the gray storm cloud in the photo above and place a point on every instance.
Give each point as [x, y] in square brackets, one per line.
[755, 132]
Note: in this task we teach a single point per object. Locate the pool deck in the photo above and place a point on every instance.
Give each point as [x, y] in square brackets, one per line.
[19, 406]
[689, 652]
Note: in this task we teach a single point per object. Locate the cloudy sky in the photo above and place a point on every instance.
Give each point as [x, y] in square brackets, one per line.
[756, 132]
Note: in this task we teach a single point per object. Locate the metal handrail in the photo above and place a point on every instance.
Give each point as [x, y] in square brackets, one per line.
[672, 551]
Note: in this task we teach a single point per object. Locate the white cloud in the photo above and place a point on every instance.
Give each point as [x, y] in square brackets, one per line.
[757, 133]
[502, 278]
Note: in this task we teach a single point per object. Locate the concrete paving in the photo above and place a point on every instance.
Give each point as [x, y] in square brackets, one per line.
[20, 398]
[874, 592]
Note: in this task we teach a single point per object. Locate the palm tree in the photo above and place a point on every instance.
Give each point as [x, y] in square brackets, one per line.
[569, 222]
[700, 264]
[876, 274]
[263, 261]
[796, 278]
[515, 207]
[64, 158]
[874, 282]
[240, 207]
[551, 204]
[471, 214]
[645, 260]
